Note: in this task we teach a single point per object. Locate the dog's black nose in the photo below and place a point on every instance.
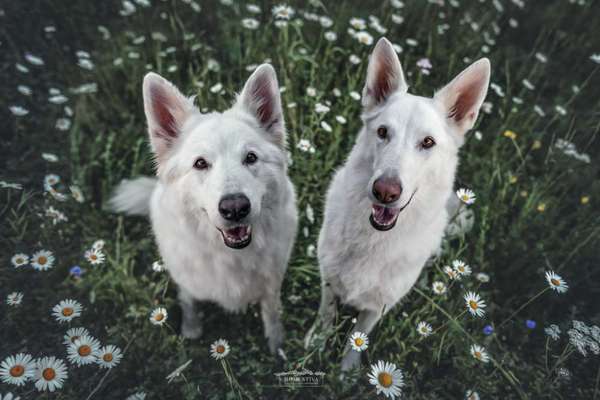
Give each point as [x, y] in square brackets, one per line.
[387, 190]
[234, 207]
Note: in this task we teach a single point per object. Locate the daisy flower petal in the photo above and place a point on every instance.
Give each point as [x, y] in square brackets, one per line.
[17, 370]
[219, 349]
[387, 379]
[50, 373]
[359, 341]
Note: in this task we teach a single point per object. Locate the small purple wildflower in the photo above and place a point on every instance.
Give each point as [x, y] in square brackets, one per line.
[76, 271]
[488, 330]
[531, 324]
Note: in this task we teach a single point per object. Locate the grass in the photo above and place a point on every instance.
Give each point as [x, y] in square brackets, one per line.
[530, 215]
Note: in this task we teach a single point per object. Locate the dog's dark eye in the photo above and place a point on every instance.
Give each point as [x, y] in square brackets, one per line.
[428, 142]
[251, 158]
[382, 132]
[201, 163]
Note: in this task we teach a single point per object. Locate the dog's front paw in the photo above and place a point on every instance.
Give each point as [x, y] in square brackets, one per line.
[191, 331]
[351, 361]
[275, 338]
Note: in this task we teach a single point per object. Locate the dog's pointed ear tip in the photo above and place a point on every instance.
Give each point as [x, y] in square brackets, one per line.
[484, 64]
[383, 41]
[265, 70]
[152, 77]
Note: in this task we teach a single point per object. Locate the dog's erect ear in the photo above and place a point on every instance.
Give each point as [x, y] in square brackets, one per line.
[166, 110]
[261, 98]
[384, 75]
[463, 97]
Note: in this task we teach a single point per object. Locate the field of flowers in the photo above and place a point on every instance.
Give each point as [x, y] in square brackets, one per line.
[509, 310]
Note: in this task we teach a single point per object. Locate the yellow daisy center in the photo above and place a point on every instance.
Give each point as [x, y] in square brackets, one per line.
[385, 379]
[159, 317]
[67, 311]
[465, 197]
[49, 374]
[477, 354]
[555, 282]
[473, 304]
[17, 371]
[108, 357]
[84, 350]
[93, 257]
[42, 260]
[220, 349]
[359, 342]
[461, 268]
[19, 260]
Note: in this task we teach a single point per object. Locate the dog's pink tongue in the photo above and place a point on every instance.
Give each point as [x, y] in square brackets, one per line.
[238, 232]
[384, 215]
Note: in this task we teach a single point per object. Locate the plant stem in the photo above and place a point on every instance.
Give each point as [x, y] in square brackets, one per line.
[523, 306]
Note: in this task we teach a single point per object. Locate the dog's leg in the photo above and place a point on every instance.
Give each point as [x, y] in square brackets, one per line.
[367, 319]
[191, 325]
[270, 307]
[326, 315]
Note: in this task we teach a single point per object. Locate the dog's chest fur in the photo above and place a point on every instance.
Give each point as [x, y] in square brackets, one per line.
[201, 264]
[369, 269]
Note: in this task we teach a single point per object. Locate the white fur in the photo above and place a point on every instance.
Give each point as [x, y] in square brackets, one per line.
[184, 201]
[372, 270]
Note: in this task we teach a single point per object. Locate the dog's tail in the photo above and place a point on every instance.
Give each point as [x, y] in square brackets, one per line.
[132, 196]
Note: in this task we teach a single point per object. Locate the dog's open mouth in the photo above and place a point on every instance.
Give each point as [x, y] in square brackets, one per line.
[383, 218]
[237, 237]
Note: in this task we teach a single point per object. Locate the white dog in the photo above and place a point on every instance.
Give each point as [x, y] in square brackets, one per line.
[385, 210]
[223, 208]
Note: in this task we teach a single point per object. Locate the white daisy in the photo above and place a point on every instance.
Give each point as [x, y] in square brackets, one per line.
[452, 274]
[14, 299]
[358, 23]
[95, 256]
[18, 369]
[66, 310]
[387, 379]
[479, 353]
[424, 329]
[250, 23]
[438, 287]
[43, 260]
[19, 259]
[158, 316]
[556, 282]
[19, 111]
[50, 157]
[109, 356]
[83, 351]
[364, 37]
[77, 193]
[219, 349]
[359, 341]
[137, 396]
[283, 11]
[98, 244]
[74, 334]
[50, 373]
[471, 395]
[475, 305]
[51, 180]
[482, 277]
[467, 196]
[461, 267]
[9, 396]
